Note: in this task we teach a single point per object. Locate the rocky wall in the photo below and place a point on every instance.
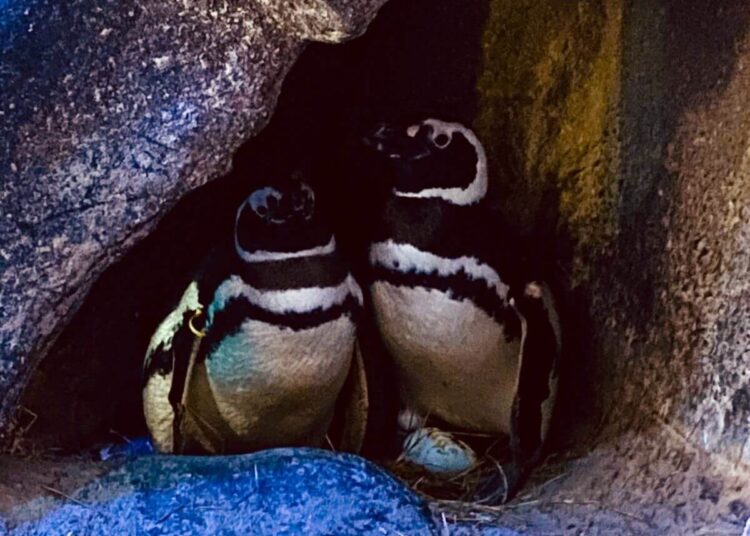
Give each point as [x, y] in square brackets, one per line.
[109, 113]
[618, 130]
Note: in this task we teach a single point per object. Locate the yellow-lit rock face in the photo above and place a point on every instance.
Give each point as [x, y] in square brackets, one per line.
[549, 91]
[622, 128]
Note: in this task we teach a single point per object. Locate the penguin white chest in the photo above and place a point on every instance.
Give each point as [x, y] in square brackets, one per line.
[454, 360]
[280, 381]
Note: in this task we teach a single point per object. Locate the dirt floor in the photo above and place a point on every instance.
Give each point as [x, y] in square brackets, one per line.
[659, 485]
[29, 487]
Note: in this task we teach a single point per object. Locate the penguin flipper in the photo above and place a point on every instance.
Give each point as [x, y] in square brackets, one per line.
[164, 373]
[165, 370]
[538, 374]
[533, 404]
[352, 407]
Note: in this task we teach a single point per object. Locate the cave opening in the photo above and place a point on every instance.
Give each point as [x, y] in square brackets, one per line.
[400, 67]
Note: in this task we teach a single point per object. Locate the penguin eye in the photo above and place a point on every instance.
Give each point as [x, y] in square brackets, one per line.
[442, 140]
[264, 202]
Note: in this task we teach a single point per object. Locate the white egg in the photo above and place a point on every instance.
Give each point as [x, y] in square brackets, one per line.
[438, 451]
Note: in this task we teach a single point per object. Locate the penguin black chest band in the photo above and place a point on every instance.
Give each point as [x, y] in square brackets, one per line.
[459, 286]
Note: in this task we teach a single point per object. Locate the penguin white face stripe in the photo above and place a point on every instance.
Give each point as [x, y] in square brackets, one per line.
[298, 300]
[267, 256]
[476, 190]
[407, 258]
[458, 196]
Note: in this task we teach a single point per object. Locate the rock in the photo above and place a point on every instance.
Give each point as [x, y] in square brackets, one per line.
[474, 529]
[109, 113]
[329, 21]
[282, 491]
[626, 125]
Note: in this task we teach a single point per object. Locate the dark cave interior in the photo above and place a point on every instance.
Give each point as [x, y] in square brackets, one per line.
[87, 391]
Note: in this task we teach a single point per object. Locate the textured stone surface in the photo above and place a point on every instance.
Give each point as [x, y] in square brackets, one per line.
[109, 112]
[282, 491]
[624, 124]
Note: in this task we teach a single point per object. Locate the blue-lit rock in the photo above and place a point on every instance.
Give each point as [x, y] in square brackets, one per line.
[109, 112]
[283, 491]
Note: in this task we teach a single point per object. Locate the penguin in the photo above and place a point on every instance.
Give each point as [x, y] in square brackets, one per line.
[472, 327]
[261, 348]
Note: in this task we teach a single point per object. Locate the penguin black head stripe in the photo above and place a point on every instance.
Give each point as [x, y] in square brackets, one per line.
[281, 222]
[291, 275]
[434, 159]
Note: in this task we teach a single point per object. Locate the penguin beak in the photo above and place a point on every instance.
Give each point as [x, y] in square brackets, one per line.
[394, 142]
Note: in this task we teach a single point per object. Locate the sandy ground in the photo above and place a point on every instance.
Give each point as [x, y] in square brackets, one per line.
[29, 486]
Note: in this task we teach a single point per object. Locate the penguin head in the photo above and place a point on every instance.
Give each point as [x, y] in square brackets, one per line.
[433, 159]
[281, 221]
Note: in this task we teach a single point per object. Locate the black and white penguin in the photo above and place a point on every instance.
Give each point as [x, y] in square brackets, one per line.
[258, 351]
[474, 334]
